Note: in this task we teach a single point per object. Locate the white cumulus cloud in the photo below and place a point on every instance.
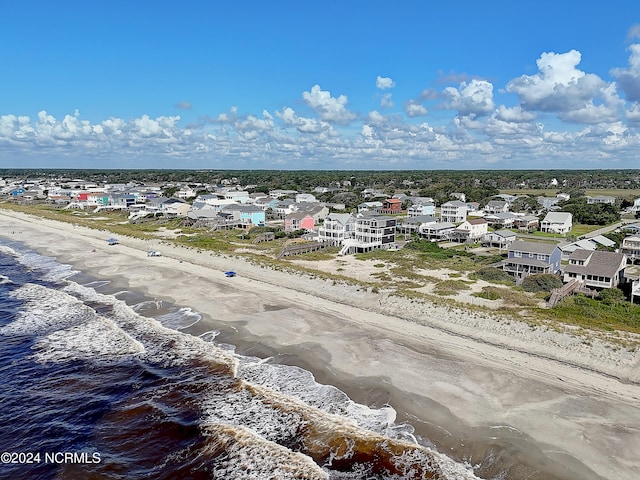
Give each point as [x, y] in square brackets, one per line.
[302, 124]
[561, 88]
[414, 109]
[384, 83]
[515, 114]
[330, 109]
[475, 97]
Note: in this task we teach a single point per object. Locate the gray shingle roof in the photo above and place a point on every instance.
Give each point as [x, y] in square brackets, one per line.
[557, 217]
[533, 247]
[600, 263]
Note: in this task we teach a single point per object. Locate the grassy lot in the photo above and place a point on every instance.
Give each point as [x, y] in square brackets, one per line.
[582, 229]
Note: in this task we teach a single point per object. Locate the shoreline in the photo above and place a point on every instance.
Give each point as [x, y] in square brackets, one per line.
[484, 370]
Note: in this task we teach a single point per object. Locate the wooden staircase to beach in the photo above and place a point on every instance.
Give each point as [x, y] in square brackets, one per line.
[567, 289]
[570, 288]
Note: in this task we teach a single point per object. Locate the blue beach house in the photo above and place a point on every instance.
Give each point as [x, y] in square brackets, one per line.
[531, 258]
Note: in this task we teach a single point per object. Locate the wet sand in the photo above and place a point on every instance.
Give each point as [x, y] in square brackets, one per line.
[496, 393]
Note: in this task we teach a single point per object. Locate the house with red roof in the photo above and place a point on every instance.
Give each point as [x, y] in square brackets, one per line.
[391, 206]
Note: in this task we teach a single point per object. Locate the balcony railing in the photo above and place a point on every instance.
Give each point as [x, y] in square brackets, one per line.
[525, 269]
[596, 283]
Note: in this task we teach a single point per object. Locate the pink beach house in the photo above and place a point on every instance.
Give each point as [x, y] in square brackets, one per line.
[296, 221]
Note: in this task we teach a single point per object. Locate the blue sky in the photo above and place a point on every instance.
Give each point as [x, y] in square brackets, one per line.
[329, 85]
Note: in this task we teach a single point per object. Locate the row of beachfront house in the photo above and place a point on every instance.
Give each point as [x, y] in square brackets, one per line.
[458, 220]
[596, 269]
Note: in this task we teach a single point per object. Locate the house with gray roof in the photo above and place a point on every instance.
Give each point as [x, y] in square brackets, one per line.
[547, 202]
[437, 231]
[454, 211]
[500, 219]
[369, 207]
[634, 229]
[499, 238]
[470, 230]
[420, 209]
[602, 199]
[496, 206]
[557, 222]
[412, 224]
[336, 228]
[526, 223]
[570, 247]
[317, 210]
[603, 241]
[247, 215]
[596, 269]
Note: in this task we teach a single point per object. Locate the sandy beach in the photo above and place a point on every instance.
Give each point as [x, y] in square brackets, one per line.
[470, 381]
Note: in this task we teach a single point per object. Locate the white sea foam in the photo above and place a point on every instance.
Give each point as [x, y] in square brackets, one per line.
[248, 457]
[146, 306]
[209, 336]
[301, 384]
[4, 280]
[180, 319]
[5, 249]
[45, 310]
[276, 417]
[99, 339]
[71, 329]
[48, 267]
[242, 408]
[162, 345]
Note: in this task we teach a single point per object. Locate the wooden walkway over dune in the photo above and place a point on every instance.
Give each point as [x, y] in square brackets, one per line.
[298, 248]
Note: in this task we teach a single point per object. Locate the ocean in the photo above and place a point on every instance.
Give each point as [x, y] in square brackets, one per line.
[103, 383]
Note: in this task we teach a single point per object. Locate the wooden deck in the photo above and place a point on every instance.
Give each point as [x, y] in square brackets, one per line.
[265, 237]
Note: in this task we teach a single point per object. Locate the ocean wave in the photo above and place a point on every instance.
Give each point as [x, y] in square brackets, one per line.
[301, 384]
[7, 250]
[247, 457]
[45, 310]
[332, 441]
[48, 267]
[163, 345]
[98, 339]
[97, 283]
